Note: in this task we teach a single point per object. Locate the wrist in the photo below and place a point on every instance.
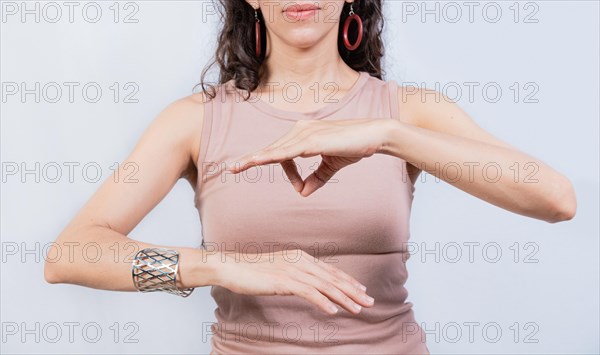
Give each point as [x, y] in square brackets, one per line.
[391, 133]
[198, 268]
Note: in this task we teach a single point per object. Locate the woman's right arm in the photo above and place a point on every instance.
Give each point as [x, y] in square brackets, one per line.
[167, 151]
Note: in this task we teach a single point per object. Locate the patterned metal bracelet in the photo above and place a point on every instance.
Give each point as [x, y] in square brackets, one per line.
[155, 269]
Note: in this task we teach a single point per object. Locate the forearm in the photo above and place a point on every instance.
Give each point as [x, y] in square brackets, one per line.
[101, 258]
[501, 176]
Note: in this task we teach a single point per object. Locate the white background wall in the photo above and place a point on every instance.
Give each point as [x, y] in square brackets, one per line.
[541, 292]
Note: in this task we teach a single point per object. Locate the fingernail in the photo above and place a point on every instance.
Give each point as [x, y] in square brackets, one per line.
[362, 287]
[357, 307]
[368, 299]
[333, 309]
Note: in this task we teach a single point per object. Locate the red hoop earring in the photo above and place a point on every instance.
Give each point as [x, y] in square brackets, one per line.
[257, 33]
[352, 17]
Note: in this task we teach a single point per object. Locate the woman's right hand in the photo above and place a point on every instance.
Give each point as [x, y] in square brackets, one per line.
[292, 272]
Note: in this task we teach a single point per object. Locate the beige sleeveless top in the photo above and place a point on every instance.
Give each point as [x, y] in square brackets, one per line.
[358, 222]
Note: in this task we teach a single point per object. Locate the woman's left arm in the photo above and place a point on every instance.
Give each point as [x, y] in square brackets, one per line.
[435, 135]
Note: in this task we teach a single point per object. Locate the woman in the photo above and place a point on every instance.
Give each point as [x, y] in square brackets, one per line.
[297, 264]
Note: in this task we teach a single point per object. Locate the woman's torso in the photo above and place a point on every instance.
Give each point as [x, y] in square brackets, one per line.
[358, 221]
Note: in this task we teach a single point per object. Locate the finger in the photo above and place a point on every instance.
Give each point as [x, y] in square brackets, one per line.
[336, 272]
[240, 164]
[344, 282]
[249, 160]
[246, 161]
[330, 291]
[314, 263]
[312, 295]
[291, 170]
[357, 294]
[318, 178]
[261, 157]
[278, 155]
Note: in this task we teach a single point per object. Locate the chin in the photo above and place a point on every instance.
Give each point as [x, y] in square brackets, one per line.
[304, 39]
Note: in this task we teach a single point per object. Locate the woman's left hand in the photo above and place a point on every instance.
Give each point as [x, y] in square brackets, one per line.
[340, 143]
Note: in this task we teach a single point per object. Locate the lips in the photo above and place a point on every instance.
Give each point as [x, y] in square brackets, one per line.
[301, 7]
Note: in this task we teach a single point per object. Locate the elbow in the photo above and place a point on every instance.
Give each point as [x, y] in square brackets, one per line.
[51, 275]
[564, 204]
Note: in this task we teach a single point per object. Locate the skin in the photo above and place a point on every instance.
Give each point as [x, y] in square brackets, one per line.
[303, 52]
[344, 142]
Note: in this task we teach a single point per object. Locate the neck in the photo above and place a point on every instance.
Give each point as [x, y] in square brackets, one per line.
[305, 66]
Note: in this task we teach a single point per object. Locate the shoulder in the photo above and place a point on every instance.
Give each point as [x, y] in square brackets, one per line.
[419, 106]
[182, 116]
[423, 108]
[190, 110]
[180, 124]
[186, 108]
[432, 110]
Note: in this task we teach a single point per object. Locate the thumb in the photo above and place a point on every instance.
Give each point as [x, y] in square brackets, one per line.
[319, 177]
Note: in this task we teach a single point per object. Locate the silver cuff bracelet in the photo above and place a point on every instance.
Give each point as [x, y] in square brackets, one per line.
[155, 269]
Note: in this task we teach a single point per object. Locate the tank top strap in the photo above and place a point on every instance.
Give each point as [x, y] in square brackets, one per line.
[207, 128]
[393, 92]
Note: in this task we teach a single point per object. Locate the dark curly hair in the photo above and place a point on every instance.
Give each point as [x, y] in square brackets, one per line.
[235, 52]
